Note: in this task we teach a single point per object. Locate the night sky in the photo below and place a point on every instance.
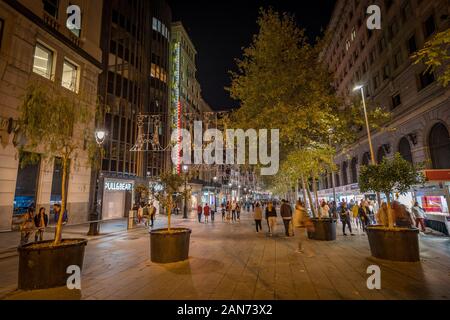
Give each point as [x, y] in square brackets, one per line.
[220, 29]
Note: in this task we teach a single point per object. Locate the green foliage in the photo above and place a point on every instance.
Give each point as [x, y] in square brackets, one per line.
[282, 85]
[167, 190]
[391, 175]
[53, 123]
[48, 120]
[435, 55]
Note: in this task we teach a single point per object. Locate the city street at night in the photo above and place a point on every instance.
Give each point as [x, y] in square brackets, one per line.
[230, 261]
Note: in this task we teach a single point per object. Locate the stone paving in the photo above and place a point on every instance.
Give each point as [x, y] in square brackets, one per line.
[230, 261]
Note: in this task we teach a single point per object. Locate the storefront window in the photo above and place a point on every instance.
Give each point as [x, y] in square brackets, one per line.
[26, 187]
[56, 195]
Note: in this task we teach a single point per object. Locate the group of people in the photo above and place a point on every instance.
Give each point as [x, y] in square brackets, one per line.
[271, 216]
[146, 212]
[35, 223]
[231, 211]
[205, 211]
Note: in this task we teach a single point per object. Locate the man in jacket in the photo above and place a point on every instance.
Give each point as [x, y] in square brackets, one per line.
[286, 214]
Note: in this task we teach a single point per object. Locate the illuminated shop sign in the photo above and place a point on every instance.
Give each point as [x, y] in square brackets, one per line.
[118, 186]
[176, 103]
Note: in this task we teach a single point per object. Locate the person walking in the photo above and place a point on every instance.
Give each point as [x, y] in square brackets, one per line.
[345, 218]
[152, 212]
[206, 212]
[238, 212]
[257, 215]
[213, 213]
[325, 209]
[382, 215]
[199, 213]
[40, 222]
[233, 211]
[419, 216]
[402, 216]
[223, 209]
[355, 214]
[27, 226]
[271, 216]
[228, 211]
[363, 215]
[286, 214]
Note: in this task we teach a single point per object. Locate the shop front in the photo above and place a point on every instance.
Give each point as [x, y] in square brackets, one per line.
[434, 198]
[117, 198]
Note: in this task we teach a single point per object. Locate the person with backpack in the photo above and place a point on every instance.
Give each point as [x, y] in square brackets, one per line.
[40, 222]
[345, 218]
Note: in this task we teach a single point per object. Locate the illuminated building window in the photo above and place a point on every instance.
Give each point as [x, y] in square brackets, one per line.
[43, 61]
[70, 76]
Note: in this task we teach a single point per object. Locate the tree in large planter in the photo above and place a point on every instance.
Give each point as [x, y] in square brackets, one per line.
[55, 124]
[171, 244]
[394, 175]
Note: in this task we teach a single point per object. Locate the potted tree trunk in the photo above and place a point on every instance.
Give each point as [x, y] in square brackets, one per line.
[387, 240]
[169, 245]
[53, 124]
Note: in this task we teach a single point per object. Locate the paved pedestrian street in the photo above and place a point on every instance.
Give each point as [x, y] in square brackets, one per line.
[230, 261]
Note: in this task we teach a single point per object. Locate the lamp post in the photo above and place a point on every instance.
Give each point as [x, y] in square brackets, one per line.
[369, 136]
[185, 172]
[100, 137]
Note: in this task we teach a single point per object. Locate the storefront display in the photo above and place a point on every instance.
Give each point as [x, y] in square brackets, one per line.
[117, 198]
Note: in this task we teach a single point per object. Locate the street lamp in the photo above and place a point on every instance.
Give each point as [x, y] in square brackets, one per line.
[185, 171]
[100, 137]
[369, 136]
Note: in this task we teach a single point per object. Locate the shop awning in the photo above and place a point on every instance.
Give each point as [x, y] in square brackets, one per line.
[437, 175]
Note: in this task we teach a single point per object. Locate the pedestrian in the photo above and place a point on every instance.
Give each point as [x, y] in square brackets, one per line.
[325, 210]
[140, 213]
[257, 215]
[57, 211]
[383, 215]
[146, 215]
[206, 212]
[271, 216]
[402, 216]
[345, 218]
[223, 209]
[286, 214]
[233, 211]
[363, 214]
[27, 226]
[40, 222]
[300, 213]
[228, 210]
[238, 212]
[152, 212]
[199, 213]
[419, 216]
[355, 214]
[213, 213]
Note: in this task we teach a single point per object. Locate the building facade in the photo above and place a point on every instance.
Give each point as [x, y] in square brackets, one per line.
[380, 60]
[134, 92]
[35, 44]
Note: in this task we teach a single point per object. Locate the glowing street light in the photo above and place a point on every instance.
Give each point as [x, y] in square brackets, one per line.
[369, 136]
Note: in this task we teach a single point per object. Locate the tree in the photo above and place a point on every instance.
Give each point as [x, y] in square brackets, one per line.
[165, 190]
[305, 164]
[391, 175]
[54, 124]
[435, 55]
